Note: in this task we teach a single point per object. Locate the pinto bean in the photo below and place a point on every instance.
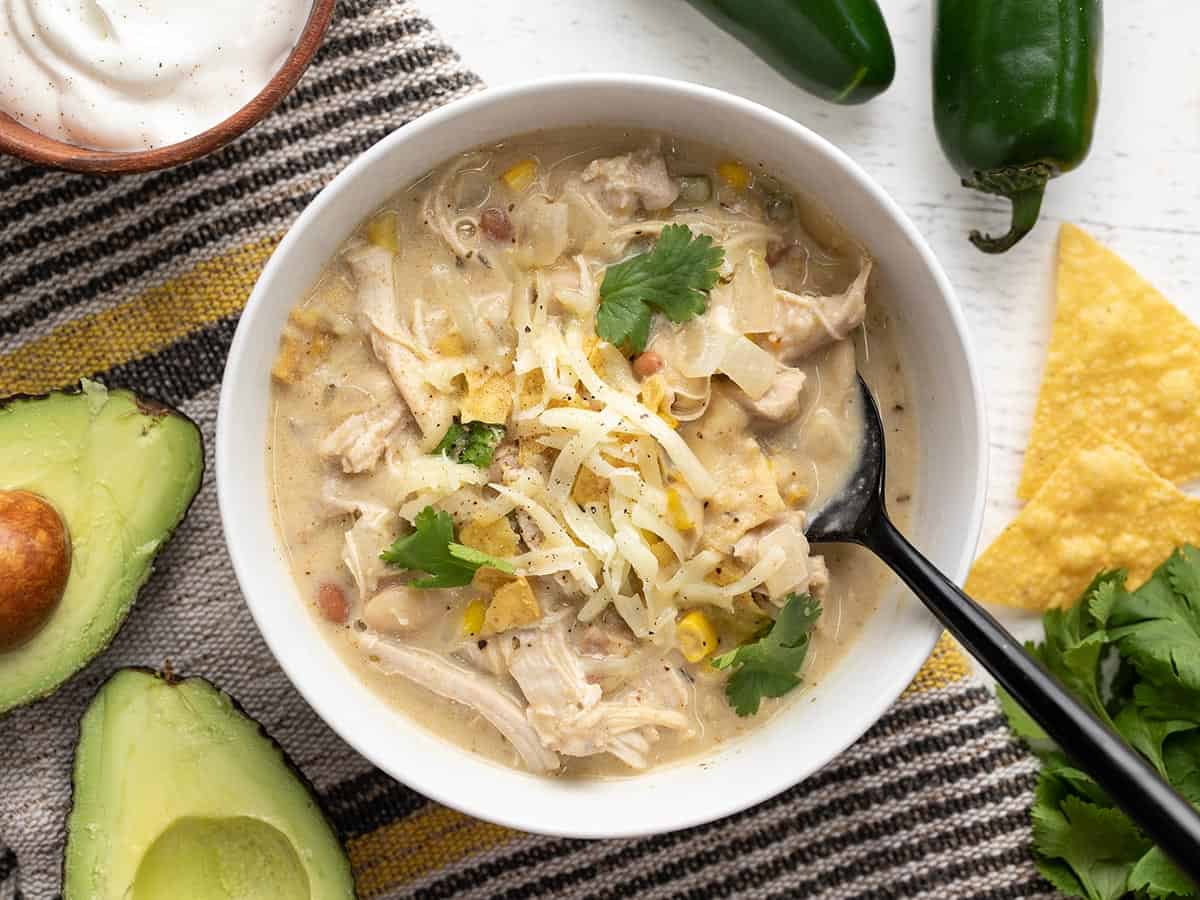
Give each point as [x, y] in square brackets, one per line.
[646, 364]
[496, 224]
[331, 601]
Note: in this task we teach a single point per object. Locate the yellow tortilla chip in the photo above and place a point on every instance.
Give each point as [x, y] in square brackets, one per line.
[496, 538]
[512, 606]
[489, 398]
[1103, 508]
[1121, 358]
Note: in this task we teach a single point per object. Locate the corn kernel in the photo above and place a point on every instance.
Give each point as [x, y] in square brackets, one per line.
[521, 175]
[678, 515]
[381, 231]
[472, 620]
[735, 175]
[696, 635]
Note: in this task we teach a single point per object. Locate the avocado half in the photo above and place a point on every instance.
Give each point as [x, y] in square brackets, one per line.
[180, 794]
[121, 471]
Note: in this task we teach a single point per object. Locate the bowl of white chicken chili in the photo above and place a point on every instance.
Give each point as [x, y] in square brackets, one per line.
[521, 428]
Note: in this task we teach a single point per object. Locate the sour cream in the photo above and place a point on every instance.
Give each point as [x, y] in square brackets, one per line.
[137, 74]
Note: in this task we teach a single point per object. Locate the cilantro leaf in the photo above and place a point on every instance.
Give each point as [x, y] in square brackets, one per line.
[431, 548]
[482, 440]
[770, 666]
[1100, 844]
[477, 559]
[673, 278]
[1072, 780]
[452, 442]
[1059, 874]
[1157, 876]
[1158, 625]
[1147, 735]
[624, 321]
[1022, 724]
[1077, 640]
[473, 443]
[1181, 755]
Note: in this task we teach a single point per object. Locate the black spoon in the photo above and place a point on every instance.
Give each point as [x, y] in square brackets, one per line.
[857, 515]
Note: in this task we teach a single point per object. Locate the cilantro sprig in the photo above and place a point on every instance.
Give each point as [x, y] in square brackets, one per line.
[770, 666]
[674, 278]
[1133, 657]
[473, 443]
[431, 548]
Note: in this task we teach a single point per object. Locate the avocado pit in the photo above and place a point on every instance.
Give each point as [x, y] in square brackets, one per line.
[35, 560]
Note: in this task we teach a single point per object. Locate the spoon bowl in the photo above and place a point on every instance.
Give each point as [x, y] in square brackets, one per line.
[857, 514]
[845, 514]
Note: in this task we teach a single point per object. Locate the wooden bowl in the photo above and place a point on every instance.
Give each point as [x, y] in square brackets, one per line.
[29, 145]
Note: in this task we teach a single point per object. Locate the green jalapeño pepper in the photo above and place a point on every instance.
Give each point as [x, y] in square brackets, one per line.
[1016, 85]
[839, 50]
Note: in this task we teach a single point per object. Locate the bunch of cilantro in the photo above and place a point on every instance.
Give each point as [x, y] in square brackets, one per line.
[1134, 658]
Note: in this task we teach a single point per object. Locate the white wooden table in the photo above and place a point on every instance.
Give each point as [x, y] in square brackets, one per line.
[1139, 191]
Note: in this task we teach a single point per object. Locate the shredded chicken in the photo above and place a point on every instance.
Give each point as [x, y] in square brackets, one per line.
[433, 410]
[805, 324]
[485, 655]
[631, 179]
[363, 542]
[781, 402]
[485, 695]
[360, 440]
[572, 716]
[801, 573]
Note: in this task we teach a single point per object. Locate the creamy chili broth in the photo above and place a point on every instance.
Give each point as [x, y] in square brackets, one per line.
[472, 295]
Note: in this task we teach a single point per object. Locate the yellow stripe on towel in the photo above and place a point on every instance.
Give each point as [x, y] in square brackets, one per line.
[154, 319]
[433, 838]
[945, 666]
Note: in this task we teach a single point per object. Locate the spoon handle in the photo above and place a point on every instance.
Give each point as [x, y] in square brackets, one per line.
[1165, 816]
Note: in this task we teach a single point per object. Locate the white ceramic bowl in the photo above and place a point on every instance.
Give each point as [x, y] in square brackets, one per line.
[874, 670]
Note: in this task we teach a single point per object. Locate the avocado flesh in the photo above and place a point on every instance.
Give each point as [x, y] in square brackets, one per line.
[179, 794]
[121, 473]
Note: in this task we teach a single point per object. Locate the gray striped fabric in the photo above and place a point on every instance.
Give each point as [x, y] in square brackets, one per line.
[932, 803]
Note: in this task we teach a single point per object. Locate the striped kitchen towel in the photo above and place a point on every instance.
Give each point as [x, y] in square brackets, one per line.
[140, 280]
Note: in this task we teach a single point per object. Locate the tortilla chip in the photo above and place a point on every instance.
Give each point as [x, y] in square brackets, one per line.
[495, 537]
[489, 398]
[1121, 358]
[1103, 508]
[512, 606]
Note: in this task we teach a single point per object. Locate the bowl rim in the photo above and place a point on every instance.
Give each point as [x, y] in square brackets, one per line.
[227, 450]
[34, 147]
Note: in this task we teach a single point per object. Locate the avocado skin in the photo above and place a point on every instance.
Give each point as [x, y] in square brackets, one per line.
[22, 680]
[339, 886]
